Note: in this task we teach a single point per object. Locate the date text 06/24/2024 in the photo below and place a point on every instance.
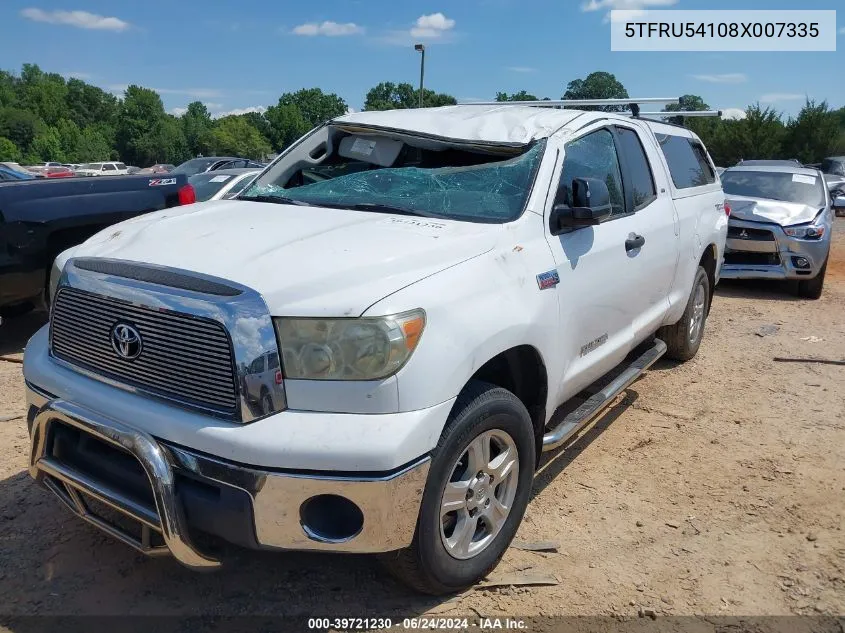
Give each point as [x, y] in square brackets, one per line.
[417, 623]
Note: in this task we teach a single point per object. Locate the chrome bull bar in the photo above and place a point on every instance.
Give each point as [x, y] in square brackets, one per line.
[71, 486]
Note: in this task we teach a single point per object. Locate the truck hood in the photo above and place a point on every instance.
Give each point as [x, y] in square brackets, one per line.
[305, 261]
[762, 210]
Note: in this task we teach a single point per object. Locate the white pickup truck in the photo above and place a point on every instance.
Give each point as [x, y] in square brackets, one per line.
[102, 169]
[363, 352]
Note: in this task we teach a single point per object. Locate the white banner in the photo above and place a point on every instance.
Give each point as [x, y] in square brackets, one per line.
[656, 30]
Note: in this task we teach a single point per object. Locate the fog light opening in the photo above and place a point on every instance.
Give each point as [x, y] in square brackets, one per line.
[800, 262]
[331, 519]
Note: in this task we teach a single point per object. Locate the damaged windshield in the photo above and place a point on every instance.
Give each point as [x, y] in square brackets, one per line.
[448, 183]
[774, 185]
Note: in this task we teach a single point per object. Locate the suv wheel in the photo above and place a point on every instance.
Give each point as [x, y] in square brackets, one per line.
[476, 494]
[684, 337]
[812, 288]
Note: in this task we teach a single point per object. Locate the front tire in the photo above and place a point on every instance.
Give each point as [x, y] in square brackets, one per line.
[812, 288]
[478, 488]
[684, 337]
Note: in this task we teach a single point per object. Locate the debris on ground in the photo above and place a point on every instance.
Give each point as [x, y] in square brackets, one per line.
[536, 546]
[517, 580]
[812, 339]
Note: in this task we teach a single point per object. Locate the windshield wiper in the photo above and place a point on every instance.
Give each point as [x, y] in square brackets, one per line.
[275, 200]
[376, 207]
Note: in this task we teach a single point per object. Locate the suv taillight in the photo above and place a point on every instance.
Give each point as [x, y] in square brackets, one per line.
[727, 208]
[187, 195]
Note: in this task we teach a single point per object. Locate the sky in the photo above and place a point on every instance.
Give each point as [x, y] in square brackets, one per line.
[238, 57]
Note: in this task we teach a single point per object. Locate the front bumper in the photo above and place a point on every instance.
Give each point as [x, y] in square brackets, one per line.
[170, 514]
[759, 256]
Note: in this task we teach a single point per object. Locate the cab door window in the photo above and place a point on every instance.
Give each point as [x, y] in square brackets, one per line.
[593, 156]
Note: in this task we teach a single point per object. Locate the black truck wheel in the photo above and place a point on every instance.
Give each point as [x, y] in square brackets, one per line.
[684, 337]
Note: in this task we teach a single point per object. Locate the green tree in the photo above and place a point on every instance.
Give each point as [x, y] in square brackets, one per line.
[87, 104]
[47, 145]
[70, 137]
[43, 94]
[145, 134]
[597, 85]
[759, 135]
[196, 123]
[19, 126]
[233, 135]
[687, 103]
[315, 105]
[8, 89]
[286, 125]
[94, 146]
[8, 150]
[522, 95]
[259, 122]
[390, 96]
[813, 134]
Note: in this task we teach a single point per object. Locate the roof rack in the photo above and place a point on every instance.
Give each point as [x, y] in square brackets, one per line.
[683, 113]
[574, 103]
[632, 103]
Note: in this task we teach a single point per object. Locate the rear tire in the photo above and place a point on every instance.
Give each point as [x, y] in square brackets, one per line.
[812, 288]
[266, 402]
[487, 515]
[684, 337]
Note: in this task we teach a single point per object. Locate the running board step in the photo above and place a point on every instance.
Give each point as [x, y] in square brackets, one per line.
[597, 403]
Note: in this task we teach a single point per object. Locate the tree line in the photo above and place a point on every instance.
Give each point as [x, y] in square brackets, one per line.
[44, 116]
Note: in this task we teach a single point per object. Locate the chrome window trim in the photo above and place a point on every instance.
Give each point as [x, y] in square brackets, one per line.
[245, 317]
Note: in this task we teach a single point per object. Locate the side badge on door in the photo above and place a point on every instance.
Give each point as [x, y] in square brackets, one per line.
[548, 279]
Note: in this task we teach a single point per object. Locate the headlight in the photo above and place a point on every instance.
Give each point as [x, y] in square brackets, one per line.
[366, 348]
[805, 232]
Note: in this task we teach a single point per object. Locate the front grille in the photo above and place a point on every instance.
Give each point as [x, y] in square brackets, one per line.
[183, 357]
[744, 258]
[740, 233]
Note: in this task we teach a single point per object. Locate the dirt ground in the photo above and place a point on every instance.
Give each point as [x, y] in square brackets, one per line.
[716, 487]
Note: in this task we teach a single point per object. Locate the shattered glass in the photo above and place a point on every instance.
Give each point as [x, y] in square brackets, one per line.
[493, 191]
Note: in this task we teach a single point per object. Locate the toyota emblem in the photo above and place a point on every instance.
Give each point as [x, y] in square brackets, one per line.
[126, 341]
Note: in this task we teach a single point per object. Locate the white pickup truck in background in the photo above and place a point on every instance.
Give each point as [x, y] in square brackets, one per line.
[430, 286]
[102, 169]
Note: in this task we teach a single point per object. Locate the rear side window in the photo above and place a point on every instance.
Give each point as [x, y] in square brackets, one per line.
[121, 166]
[641, 179]
[109, 167]
[687, 161]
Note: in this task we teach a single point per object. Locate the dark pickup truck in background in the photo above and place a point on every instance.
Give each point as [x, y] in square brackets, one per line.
[41, 218]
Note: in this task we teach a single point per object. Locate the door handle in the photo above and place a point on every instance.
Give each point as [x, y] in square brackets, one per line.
[634, 242]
